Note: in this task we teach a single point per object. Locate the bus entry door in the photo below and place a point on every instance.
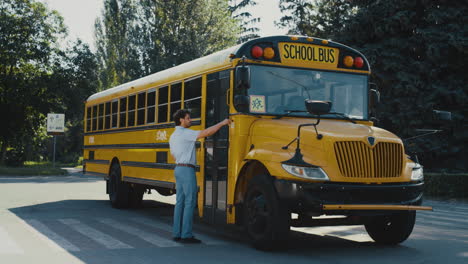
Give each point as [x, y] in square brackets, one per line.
[216, 149]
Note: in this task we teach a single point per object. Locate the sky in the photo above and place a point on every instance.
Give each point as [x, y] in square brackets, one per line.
[79, 17]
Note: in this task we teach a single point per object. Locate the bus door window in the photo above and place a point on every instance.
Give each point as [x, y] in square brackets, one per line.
[192, 97]
[176, 97]
[123, 112]
[131, 110]
[101, 117]
[114, 113]
[141, 108]
[107, 119]
[88, 119]
[162, 104]
[150, 106]
[216, 147]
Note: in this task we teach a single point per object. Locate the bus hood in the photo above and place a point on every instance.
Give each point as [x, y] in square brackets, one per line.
[273, 134]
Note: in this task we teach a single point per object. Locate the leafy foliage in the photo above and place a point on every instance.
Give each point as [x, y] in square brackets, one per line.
[247, 22]
[417, 51]
[136, 38]
[28, 33]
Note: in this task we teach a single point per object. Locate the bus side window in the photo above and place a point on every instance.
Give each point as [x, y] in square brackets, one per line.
[150, 105]
[108, 116]
[123, 112]
[101, 117]
[115, 105]
[162, 104]
[95, 118]
[192, 97]
[141, 108]
[131, 110]
[176, 97]
[88, 119]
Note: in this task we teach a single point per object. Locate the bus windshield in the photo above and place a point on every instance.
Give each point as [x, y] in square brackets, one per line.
[278, 91]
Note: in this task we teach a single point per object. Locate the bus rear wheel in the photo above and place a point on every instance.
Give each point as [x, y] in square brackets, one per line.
[118, 190]
[391, 229]
[266, 220]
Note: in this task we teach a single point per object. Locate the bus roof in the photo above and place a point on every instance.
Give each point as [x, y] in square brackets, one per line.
[216, 60]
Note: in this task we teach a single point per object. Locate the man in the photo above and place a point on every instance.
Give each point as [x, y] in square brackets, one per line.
[182, 145]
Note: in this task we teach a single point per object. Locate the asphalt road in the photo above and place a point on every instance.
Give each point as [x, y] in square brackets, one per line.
[68, 219]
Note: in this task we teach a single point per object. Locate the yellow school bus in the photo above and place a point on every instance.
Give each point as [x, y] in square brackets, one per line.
[302, 144]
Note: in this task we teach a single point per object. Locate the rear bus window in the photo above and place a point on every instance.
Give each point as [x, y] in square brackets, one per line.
[95, 112]
[88, 119]
[115, 105]
[150, 106]
[176, 97]
[141, 108]
[123, 112]
[131, 110]
[192, 97]
[101, 117]
[107, 118]
[162, 104]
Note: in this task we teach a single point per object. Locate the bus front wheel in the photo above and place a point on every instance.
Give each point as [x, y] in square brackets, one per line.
[391, 229]
[118, 190]
[266, 220]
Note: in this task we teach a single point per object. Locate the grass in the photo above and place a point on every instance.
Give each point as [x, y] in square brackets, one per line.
[33, 168]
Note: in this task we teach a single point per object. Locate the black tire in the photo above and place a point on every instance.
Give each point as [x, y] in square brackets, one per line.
[391, 229]
[118, 190]
[266, 219]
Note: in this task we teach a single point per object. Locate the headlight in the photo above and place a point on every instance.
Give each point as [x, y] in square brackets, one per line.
[314, 173]
[417, 173]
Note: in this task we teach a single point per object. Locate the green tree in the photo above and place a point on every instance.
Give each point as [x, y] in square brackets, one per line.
[28, 33]
[317, 18]
[247, 22]
[172, 32]
[117, 52]
[417, 51]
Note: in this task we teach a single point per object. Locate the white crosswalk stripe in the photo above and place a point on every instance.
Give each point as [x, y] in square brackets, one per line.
[7, 244]
[208, 240]
[96, 235]
[148, 237]
[49, 236]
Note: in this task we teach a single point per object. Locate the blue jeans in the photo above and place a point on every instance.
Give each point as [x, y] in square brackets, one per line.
[186, 198]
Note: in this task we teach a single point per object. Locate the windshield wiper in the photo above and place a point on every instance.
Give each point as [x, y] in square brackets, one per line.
[345, 117]
[288, 112]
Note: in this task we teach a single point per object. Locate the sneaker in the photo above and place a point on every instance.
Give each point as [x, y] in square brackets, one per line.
[176, 239]
[190, 240]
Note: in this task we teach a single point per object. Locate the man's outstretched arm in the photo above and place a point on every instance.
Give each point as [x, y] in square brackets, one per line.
[213, 129]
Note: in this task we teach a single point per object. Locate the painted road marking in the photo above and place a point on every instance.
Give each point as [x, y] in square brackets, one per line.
[53, 239]
[96, 235]
[148, 237]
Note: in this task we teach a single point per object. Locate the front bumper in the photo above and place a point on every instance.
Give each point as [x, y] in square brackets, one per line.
[339, 197]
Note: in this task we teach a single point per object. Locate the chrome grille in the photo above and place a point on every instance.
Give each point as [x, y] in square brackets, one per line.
[358, 160]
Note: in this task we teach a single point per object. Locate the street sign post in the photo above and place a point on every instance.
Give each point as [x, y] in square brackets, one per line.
[55, 126]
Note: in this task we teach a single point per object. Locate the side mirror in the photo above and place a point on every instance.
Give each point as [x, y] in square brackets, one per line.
[374, 98]
[243, 77]
[439, 115]
[241, 103]
[318, 107]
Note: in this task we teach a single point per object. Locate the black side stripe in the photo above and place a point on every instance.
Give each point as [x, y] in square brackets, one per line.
[97, 174]
[130, 129]
[96, 161]
[135, 146]
[153, 165]
[169, 185]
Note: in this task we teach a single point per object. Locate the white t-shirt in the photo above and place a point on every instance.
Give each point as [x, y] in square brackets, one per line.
[182, 145]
